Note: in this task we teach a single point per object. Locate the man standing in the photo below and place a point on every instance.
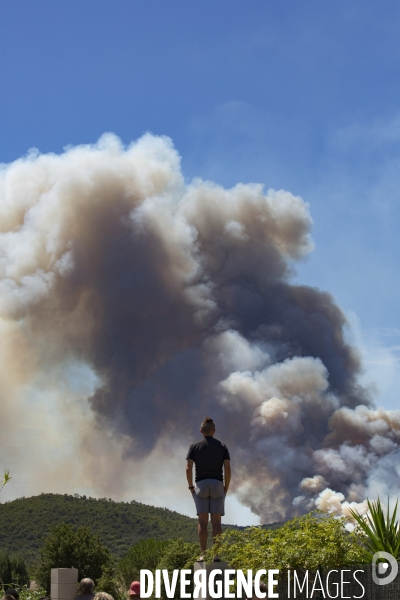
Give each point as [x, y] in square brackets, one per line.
[210, 456]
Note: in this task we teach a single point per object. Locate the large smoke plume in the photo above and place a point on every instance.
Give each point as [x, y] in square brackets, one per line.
[177, 299]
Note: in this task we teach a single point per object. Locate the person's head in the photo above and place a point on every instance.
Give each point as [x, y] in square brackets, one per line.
[208, 426]
[8, 597]
[13, 593]
[263, 588]
[87, 585]
[134, 590]
[103, 596]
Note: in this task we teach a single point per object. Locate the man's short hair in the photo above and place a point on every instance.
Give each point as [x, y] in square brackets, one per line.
[87, 585]
[207, 425]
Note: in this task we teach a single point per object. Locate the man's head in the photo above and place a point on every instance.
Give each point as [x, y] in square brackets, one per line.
[208, 426]
[12, 592]
[87, 585]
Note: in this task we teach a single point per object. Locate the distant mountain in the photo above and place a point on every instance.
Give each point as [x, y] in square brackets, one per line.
[24, 523]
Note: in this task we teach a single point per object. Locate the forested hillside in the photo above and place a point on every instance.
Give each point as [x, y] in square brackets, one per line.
[25, 522]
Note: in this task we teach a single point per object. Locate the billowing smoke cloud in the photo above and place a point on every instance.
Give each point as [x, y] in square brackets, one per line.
[175, 300]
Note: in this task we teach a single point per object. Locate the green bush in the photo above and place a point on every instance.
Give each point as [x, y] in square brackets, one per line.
[111, 584]
[5, 569]
[146, 554]
[26, 594]
[309, 542]
[178, 555]
[154, 554]
[13, 571]
[19, 572]
[66, 547]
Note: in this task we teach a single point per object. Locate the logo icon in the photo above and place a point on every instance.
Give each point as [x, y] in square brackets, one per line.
[383, 567]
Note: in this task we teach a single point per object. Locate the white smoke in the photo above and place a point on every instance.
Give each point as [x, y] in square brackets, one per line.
[133, 303]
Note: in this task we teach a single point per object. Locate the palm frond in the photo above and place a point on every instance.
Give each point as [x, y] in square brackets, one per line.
[382, 531]
[6, 478]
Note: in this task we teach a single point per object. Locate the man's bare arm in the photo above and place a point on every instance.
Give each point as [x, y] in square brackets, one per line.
[227, 475]
[189, 473]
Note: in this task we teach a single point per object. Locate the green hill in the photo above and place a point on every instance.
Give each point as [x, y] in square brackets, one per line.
[25, 522]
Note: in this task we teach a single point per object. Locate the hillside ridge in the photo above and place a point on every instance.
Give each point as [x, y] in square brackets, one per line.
[25, 522]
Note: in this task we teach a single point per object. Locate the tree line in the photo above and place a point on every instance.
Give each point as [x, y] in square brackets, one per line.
[312, 542]
[26, 522]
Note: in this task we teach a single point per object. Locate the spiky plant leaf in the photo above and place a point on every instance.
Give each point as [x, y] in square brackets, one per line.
[6, 477]
[382, 532]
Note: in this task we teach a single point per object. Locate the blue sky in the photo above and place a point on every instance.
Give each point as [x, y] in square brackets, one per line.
[297, 94]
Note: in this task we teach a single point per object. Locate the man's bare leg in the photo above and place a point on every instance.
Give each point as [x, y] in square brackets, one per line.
[203, 533]
[216, 530]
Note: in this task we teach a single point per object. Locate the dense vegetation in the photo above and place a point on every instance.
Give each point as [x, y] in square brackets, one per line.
[381, 532]
[154, 554]
[111, 541]
[146, 554]
[68, 547]
[26, 522]
[12, 570]
[312, 542]
[316, 540]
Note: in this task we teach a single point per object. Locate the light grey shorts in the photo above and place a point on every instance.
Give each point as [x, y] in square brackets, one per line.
[209, 496]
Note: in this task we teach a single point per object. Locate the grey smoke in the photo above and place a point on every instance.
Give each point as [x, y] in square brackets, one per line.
[178, 297]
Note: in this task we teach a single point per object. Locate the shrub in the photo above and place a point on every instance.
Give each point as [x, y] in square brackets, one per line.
[66, 547]
[309, 542]
[19, 572]
[178, 555]
[111, 584]
[13, 571]
[153, 554]
[26, 594]
[5, 569]
[144, 555]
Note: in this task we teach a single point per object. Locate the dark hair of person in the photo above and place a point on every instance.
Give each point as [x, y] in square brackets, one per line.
[86, 585]
[263, 588]
[207, 425]
[8, 597]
